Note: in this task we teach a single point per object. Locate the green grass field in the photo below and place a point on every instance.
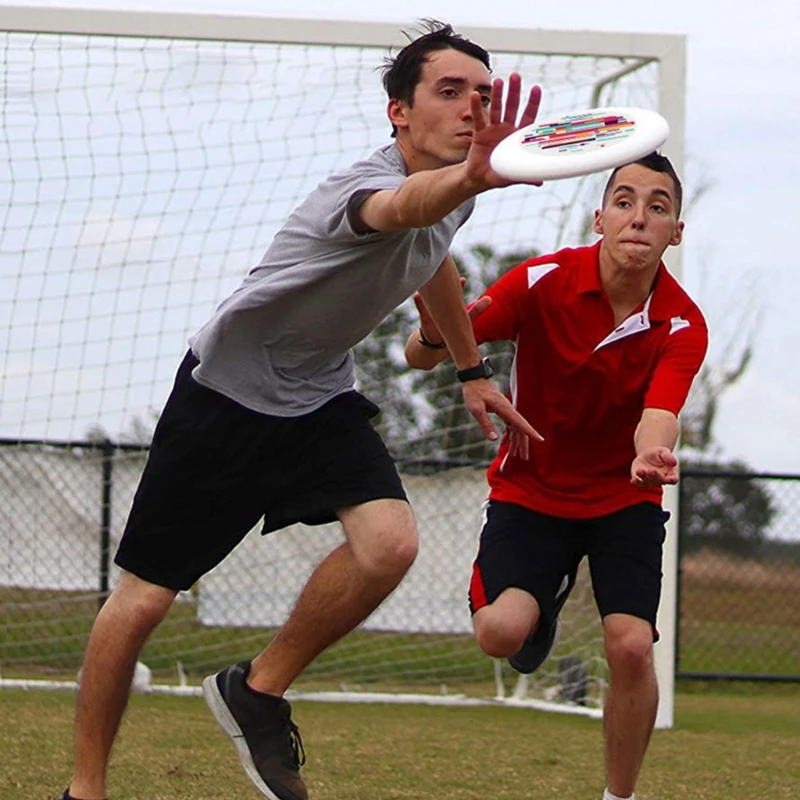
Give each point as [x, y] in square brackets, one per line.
[738, 744]
[734, 618]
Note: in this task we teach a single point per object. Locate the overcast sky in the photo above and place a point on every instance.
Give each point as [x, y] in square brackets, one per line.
[743, 118]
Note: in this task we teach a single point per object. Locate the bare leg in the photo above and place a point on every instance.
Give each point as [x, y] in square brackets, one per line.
[502, 627]
[342, 592]
[119, 632]
[632, 700]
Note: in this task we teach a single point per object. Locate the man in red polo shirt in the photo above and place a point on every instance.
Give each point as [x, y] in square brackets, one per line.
[607, 345]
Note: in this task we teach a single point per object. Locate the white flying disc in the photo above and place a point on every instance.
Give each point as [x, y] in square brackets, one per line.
[579, 143]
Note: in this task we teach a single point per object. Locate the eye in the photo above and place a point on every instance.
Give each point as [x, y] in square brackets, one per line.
[485, 100]
[622, 203]
[449, 93]
[659, 209]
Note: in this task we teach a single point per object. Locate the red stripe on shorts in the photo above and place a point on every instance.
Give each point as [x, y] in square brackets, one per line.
[477, 593]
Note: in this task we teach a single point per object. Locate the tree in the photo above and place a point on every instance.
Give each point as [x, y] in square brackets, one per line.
[138, 430]
[723, 511]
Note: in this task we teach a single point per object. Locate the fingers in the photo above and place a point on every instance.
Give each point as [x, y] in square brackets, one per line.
[508, 114]
[532, 107]
[482, 397]
[496, 103]
[668, 458]
[479, 306]
[477, 111]
[486, 424]
[519, 425]
[512, 98]
[518, 444]
[650, 477]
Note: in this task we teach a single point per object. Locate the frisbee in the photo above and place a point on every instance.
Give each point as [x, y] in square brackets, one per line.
[579, 143]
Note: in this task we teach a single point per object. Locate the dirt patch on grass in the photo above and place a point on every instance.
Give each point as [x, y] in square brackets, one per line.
[714, 569]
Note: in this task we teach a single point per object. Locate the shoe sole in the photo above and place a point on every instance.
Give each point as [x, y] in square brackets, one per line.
[525, 670]
[224, 718]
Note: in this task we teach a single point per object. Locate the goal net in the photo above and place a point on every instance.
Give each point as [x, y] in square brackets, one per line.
[149, 159]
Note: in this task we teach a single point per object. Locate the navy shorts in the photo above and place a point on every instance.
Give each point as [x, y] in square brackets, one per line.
[534, 552]
[216, 468]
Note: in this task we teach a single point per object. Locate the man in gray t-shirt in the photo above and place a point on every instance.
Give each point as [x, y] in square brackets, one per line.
[264, 423]
[281, 343]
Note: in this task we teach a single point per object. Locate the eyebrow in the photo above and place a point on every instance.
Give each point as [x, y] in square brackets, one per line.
[456, 81]
[622, 187]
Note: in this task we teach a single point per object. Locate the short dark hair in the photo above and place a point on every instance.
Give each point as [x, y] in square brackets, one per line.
[658, 163]
[402, 72]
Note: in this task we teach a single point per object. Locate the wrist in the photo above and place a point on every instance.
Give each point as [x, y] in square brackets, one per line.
[482, 370]
[426, 342]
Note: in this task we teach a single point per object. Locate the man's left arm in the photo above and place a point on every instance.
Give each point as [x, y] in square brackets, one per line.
[657, 433]
[444, 300]
[655, 438]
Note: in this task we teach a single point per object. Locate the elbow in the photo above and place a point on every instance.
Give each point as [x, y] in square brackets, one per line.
[418, 360]
[415, 363]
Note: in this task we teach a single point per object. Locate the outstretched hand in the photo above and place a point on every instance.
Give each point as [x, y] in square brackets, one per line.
[655, 466]
[481, 398]
[502, 123]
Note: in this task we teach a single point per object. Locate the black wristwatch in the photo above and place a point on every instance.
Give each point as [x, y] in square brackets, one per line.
[482, 370]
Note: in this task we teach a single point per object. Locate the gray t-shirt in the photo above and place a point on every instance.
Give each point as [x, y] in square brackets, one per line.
[281, 343]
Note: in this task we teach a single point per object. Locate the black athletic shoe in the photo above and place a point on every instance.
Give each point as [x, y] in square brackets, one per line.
[268, 741]
[538, 646]
[65, 795]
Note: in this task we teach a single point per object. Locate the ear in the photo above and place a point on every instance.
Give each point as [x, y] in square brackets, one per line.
[396, 111]
[597, 227]
[677, 237]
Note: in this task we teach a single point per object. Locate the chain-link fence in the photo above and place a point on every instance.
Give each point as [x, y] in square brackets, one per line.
[739, 572]
[63, 508]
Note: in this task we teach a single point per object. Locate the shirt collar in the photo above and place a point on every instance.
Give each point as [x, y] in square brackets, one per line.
[661, 302]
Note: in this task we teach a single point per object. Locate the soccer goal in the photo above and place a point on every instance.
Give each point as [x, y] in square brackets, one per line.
[149, 157]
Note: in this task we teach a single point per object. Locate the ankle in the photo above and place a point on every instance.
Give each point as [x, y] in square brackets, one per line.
[67, 795]
[607, 795]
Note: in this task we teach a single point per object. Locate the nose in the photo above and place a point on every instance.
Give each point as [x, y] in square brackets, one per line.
[639, 217]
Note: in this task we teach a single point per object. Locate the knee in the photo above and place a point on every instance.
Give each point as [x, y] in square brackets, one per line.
[500, 638]
[137, 604]
[391, 552]
[629, 650]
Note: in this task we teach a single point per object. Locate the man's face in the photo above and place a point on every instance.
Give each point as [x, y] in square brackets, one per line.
[639, 218]
[437, 129]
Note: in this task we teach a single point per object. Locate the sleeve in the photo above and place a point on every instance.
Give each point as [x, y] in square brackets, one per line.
[678, 364]
[510, 299]
[341, 197]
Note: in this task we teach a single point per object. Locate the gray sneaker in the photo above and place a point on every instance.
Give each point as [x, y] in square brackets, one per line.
[268, 742]
[539, 644]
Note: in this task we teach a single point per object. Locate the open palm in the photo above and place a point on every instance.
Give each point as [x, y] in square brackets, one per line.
[501, 123]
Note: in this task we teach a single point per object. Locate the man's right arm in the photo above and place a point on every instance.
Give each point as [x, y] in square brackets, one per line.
[427, 196]
[423, 199]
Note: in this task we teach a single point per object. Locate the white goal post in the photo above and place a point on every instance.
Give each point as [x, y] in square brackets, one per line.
[150, 157]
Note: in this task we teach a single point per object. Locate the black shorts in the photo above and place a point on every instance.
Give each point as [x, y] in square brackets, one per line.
[534, 552]
[216, 468]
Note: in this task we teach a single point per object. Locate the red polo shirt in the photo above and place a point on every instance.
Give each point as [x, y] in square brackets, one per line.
[582, 383]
